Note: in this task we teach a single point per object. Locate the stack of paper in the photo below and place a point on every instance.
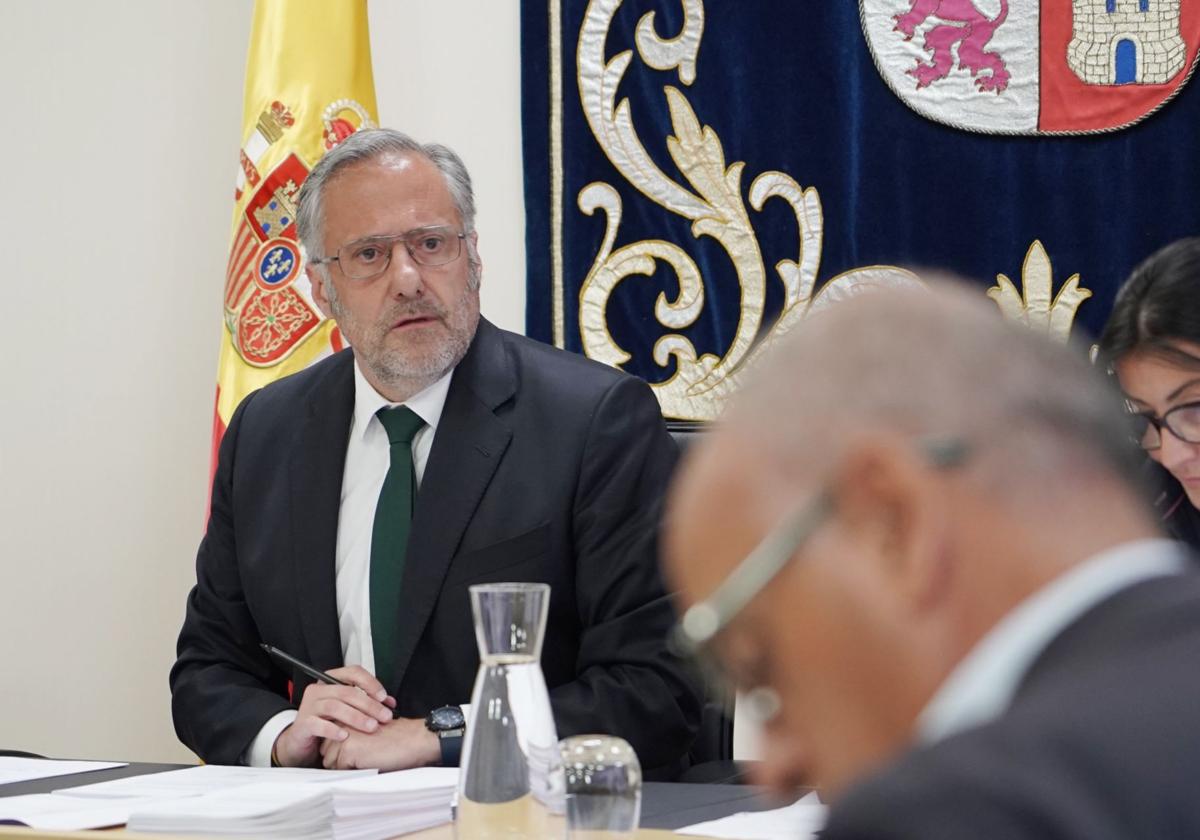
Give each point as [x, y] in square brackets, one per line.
[207, 778]
[304, 812]
[393, 803]
[370, 808]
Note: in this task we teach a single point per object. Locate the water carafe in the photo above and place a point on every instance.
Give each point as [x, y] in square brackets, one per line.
[511, 782]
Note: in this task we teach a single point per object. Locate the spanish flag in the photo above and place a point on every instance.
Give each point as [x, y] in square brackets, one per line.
[308, 87]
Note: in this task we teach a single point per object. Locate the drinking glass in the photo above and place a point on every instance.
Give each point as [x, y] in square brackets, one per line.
[603, 786]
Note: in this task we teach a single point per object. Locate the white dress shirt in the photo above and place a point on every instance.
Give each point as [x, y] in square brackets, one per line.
[368, 456]
[983, 684]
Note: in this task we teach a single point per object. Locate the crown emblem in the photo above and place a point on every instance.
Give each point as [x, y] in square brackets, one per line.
[274, 120]
[342, 118]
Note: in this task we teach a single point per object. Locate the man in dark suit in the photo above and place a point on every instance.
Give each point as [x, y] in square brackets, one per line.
[526, 463]
[920, 544]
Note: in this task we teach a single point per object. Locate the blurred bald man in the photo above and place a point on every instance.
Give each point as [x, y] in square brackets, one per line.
[920, 546]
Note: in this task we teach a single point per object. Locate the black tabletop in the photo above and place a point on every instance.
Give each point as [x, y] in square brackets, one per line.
[664, 804]
[669, 805]
[77, 779]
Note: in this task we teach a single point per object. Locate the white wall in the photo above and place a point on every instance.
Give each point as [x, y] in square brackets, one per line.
[450, 71]
[122, 123]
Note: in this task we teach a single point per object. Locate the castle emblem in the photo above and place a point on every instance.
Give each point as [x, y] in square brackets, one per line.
[271, 211]
[1033, 66]
[1123, 42]
[280, 210]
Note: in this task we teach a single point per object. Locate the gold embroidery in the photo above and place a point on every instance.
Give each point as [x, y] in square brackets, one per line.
[680, 51]
[557, 296]
[712, 201]
[1032, 306]
[268, 323]
[700, 384]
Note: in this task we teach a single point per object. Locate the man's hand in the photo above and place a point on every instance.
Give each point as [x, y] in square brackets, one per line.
[784, 766]
[331, 713]
[398, 745]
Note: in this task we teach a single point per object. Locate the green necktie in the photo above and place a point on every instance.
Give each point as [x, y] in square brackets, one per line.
[389, 537]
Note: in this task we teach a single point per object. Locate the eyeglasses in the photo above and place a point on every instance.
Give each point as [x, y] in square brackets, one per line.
[693, 635]
[1182, 420]
[367, 258]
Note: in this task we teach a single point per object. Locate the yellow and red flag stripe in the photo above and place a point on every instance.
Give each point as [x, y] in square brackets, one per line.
[308, 86]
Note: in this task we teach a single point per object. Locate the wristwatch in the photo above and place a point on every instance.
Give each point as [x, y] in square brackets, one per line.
[448, 723]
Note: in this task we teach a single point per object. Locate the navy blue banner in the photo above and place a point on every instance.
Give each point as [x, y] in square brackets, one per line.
[698, 181]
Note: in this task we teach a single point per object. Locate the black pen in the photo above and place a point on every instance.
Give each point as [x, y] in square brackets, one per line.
[303, 667]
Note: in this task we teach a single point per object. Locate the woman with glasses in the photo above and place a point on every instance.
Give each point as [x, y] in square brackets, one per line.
[1152, 344]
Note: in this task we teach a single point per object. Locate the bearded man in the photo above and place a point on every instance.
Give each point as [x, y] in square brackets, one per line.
[356, 501]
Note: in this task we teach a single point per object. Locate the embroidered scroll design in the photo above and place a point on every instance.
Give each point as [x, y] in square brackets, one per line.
[712, 201]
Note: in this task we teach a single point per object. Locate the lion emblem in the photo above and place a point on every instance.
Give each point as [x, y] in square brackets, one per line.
[956, 22]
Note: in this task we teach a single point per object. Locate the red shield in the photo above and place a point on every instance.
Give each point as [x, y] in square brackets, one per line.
[271, 324]
[271, 212]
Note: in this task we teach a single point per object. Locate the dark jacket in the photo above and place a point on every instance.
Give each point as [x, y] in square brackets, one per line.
[1102, 741]
[545, 467]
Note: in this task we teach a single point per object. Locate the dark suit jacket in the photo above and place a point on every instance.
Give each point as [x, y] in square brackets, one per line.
[545, 467]
[1102, 741]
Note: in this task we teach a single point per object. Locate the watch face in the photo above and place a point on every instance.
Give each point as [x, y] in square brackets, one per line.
[446, 718]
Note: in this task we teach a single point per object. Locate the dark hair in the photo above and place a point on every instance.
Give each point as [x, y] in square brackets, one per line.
[1158, 306]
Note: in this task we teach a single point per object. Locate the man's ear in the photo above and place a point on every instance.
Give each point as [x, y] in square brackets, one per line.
[894, 506]
[473, 244]
[316, 279]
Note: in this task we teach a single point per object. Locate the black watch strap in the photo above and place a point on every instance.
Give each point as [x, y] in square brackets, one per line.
[451, 744]
[448, 723]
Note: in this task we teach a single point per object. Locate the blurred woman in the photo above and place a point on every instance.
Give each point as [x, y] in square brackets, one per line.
[1152, 344]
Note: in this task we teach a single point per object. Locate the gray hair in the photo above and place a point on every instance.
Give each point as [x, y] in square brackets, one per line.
[367, 145]
[938, 363]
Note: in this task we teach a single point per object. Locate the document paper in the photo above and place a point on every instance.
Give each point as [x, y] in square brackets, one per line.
[798, 821]
[207, 778]
[47, 812]
[382, 806]
[13, 769]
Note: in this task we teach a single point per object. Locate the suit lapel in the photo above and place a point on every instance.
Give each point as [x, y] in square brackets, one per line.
[467, 448]
[316, 484]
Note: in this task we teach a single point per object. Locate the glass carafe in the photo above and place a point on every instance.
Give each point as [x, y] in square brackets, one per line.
[511, 782]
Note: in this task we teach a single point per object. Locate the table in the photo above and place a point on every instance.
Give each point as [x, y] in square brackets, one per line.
[665, 805]
[445, 832]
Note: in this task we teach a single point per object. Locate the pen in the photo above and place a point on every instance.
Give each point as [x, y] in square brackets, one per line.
[303, 667]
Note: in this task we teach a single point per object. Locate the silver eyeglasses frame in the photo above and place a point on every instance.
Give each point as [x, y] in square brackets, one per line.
[388, 245]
